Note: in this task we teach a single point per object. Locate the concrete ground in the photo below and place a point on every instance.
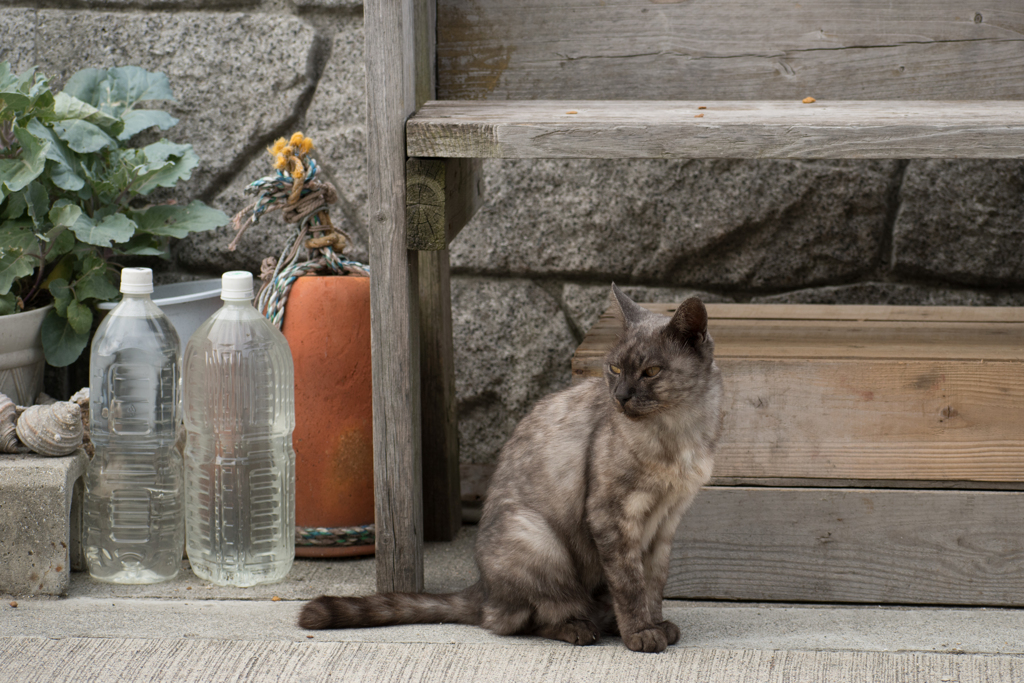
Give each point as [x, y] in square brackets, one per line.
[186, 630]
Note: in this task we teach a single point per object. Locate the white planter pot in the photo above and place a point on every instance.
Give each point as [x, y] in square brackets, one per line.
[186, 304]
[21, 355]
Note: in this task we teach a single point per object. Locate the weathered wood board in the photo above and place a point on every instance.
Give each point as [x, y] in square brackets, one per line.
[851, 545]
[862, 395]
[839, 332]
[442, 500]
[394, 299]
[714, 129]
[442, 195]
[730, 49]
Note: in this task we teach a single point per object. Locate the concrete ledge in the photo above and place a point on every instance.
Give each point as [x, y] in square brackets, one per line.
[35, 522]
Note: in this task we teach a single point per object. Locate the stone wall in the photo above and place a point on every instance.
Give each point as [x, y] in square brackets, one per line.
[531, 272]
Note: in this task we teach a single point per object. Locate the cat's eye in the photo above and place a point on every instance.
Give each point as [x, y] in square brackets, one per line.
[652, 371]
[615, 369]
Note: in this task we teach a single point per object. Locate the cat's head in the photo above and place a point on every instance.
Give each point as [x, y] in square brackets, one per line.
[659, 363]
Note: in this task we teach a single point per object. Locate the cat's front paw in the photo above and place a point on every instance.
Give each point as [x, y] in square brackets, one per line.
[671, 632]
[647, 640]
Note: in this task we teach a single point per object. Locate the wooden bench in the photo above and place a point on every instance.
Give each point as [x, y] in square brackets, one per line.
[460, 80]
[868, 454]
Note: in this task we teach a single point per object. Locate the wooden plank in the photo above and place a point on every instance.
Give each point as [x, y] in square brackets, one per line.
[394, 315]
[442, 498]
[425, 46]
[964, 314]
[809, 331]
[459, 197]
[841, 339]
[566, 129]
[476, 477]
[851, 545]
[892, 420]
[442, 196]
[730, 49]
[803, 339]
[794, 482]
[894, 396]
[929, 420]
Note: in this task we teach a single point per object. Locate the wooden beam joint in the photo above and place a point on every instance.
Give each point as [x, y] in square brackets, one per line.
[442, 195]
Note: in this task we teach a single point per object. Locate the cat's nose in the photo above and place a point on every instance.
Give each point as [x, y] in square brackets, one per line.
[623, 394]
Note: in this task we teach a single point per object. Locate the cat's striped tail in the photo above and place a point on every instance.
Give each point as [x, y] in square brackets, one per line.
[391, 609]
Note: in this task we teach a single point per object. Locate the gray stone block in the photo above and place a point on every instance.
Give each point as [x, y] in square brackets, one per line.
[893, 294]
[207, 252]
[962, 222]
[513, 345]
[17, 38]
[35, 522]
[238, 78]
[162, 5]
[329, 4]
[751, 225]
[335, 120]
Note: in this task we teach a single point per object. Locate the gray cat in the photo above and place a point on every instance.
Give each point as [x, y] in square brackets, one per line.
[576, 531]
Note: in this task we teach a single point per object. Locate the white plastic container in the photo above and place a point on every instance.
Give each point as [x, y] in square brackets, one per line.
[239, 405]
[134, 491]
[186, 304]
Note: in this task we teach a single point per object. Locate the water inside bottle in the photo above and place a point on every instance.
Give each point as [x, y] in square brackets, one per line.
[239, 417]
[134, 499]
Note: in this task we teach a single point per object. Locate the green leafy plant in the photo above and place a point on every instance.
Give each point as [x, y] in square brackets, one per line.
[72, 193]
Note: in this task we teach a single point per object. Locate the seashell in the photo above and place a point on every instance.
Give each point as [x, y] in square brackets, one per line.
[81, 397]
[54, 429]
[8, 419]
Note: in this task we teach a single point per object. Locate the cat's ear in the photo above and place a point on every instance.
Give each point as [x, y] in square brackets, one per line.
[690, 322]
[629, 311]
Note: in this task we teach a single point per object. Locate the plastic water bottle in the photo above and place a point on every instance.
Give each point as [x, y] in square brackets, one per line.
[239, 402]
[134, 489]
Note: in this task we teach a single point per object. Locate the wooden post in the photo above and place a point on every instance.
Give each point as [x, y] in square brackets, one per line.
[442, 500]
[394, 315]
[442, 495]
[441, 196]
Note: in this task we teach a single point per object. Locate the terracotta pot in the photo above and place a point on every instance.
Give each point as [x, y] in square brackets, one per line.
[327, 324]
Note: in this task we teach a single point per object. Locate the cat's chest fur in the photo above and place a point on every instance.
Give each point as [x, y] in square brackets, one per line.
[664, 470]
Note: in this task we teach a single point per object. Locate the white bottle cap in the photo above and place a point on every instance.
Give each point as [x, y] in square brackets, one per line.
[236, 285]
[136, 281]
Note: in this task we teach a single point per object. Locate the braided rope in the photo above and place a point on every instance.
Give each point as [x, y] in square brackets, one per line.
[304, 200]
[342, 536]
[273, 295]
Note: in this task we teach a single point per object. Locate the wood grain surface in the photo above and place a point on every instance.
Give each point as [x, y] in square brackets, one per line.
[872, 393]
[442, 499]
[730, 49]
[563, 128]
[442, 195]
[796, 331]
[851, 545]
[394, 315]
[425, 204]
